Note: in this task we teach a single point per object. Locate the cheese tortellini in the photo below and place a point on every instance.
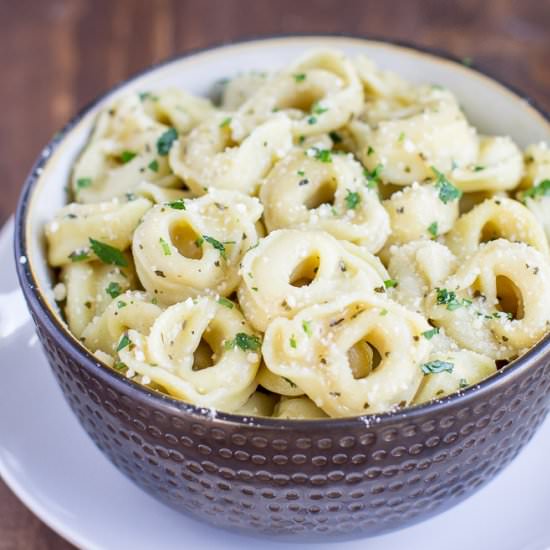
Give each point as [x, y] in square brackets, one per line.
[327, 240]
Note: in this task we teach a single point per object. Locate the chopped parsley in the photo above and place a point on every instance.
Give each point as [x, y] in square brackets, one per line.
[352, 200]
[178, 204]
[113, 289]
[312, 120]
[383, 312]
[225, 122]
[165, 141]
[335, 137]
[120, 304]
[373, 177]
[216, 244]
[433, 229]
[225, 302]
[301, 173]
[390, 283]
[306, 325]
[124, 342]
[437, 366]
[318, 110]
[153, 165]
[165, 247]
[542, 189]
[244, 341]
[401, 137]
[447, 191]
[370, 151]
[108, 254]
[429, 334]
[299, 77]
[79, 256]
[449, 299]
[292, 342]
[147, 95]
[463, 383]
[479, 168]
[82, 183]
[324, 155]
[119, 365]
[127, 156]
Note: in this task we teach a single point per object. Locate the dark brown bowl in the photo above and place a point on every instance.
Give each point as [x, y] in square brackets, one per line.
[296, 480]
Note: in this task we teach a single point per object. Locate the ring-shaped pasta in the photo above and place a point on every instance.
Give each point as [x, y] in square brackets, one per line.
[495, 218]
[277, 384]
[416, 269]
[132, 310]
[258, 404]
[302, 192]
[187, 353]
[292, 269]
[191, 248]
[111, 223]
[320, 92]
[498, 167]
[496, 303]
[211, 157]
[317, 359]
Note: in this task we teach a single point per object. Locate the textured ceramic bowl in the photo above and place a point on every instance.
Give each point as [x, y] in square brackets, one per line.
[299, 480]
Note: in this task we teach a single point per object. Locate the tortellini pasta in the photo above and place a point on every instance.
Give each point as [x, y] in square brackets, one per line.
[328, 240]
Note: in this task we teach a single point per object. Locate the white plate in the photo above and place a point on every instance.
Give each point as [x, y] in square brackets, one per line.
[52, 466]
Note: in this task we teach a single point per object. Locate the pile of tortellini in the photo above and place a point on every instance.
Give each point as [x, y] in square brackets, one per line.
[329, 240]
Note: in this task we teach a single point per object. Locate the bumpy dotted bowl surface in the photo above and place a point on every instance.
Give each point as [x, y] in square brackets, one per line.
[297, 480]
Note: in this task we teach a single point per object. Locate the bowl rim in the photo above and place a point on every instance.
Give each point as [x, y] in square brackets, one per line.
[86, 360]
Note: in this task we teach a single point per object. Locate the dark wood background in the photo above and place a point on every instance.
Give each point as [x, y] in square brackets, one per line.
[56, 55]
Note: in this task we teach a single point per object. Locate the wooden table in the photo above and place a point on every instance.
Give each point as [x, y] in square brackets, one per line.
[56, 55]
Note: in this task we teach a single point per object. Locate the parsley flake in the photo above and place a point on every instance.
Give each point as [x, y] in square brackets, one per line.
[225, 302]
[370, 151]
[463, 383]
[433, 229]
[225, 122]
[447, 191]
[244, 341]
[178, 204]
[448, 298]
[83, 183]
[373, 178]
[437, 366]
[79, 256]
[165, 141]
[542, 189]
[300, 77]
[108, 254]
[165, 247]
[127, 156]
[306, 325]
[153, 165]
[124, 342]
[318, 110]
[352, 199]
[113, 289]
[324, 155]
[120, 304]
[292, 342]
[390, 283]
[429, 334]
[216, 244]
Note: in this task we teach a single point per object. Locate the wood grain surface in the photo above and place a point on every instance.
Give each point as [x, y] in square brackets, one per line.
[57, 55]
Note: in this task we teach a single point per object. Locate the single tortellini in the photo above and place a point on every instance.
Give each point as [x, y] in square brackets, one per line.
[258, 404]
[320, 92]
[127, 147]
[298, 408]
[90, 287]
[498, 167]
[416, 268]
[133, 310]
[210, 156]
[292, 269]
[200, 351]
[313, 350]
[194, 247]
[419, 212]
[497, 302]
[431, 132]
[302, 192]
[111, 223]
[448, 372]
[493, 219]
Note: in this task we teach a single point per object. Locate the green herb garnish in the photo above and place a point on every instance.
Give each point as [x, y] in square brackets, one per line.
[178, 204]
[370, 151]
[448, 298]
[352, 199]
[433, 229]
[434, 367]
[447, 191]
[244, 341]
[113, 289]
[127, 156]
[373, 178]
[225, 122]
[120, 304]
[82, 183]
[153, 165]
[292, 342]
[324, 155]
[300, 77]
[542, 189]
[429, 334]
[165, 247]
[225, 302]
[79, 256]
[390, 283]
[165, 141]
[124, 342]
[108, 254]
[306, 325]
[463, 383]
[216, 244]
